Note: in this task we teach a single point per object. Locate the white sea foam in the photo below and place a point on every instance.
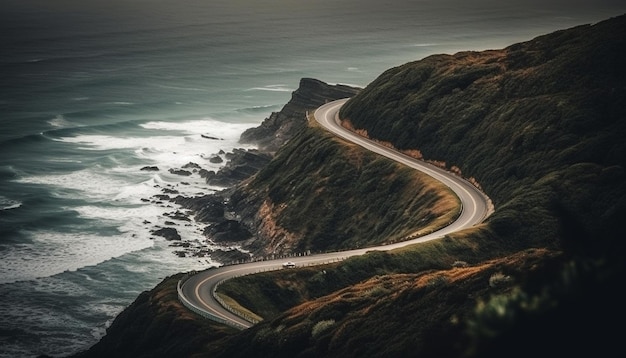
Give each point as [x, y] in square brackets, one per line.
[88, 183]
[202, 126]
[183, 88]
[59, 122]
[108, 142]
[8, 204]
[273, 88]
[52, 253]
[122, 196]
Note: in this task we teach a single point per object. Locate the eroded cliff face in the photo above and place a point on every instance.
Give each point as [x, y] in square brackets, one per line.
[232, 215]
[281, 126]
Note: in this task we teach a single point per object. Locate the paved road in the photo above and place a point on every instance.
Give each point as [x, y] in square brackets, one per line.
[197, 291]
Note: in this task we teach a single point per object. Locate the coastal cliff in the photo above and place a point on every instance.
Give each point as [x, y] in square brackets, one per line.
[538, 125]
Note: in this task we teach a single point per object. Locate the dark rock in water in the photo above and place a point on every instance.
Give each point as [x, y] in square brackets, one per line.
[178, 215]
[216, 159]
[229, 256]
[242, 164]
[228, 231]
[207, 208]
[180, 172]
[191, 165]
[168, 233]
[205, 173]
[210, 137]
[169, 191]
[282, 126]
[150, 169]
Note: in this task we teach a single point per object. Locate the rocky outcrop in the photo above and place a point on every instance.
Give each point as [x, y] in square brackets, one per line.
[207, 208]
[241, 165]
[169, 233]
[228, 231]
[228, 224]
[279, 127]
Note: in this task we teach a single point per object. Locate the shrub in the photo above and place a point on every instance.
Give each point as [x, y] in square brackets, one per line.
[321, 326]
[499, 279]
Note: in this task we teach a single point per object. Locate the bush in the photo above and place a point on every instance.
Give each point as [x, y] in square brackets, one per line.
[321, 326]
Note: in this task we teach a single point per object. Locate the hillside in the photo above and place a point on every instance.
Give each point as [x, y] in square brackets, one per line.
[539, 125]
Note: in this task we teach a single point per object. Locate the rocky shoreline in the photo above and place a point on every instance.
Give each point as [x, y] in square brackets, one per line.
[224, 226]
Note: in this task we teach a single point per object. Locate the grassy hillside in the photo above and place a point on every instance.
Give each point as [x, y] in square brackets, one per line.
[539, 124]
[321, 194]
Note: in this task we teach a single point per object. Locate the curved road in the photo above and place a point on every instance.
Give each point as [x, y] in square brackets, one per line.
[197, 291]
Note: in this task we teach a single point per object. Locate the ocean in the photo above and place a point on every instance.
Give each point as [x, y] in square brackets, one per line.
[93, 91]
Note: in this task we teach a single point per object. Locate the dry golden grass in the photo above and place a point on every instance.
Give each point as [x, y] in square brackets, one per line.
[242, 311]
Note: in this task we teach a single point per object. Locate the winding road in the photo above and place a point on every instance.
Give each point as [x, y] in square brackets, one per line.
[197, 291]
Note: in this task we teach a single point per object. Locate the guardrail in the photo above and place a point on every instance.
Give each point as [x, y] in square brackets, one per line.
[269, 269]
[252, 320]
[230, 308]
[199, 310]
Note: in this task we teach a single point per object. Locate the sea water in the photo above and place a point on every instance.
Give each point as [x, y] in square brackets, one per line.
[93, 91]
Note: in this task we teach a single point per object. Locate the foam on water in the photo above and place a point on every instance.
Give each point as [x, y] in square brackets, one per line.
[86, 183]
[225, 130]
[52, 253]
[59, 122]
[116, 193]
[273, 88]
[8, 204]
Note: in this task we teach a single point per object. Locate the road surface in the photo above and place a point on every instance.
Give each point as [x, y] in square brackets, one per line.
[197, 292]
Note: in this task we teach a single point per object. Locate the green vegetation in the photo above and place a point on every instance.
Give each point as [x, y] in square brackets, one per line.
[334, 197]
[540, 126]
[271, 293]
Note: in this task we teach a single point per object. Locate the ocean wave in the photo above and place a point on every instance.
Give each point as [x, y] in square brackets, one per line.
[8, 204]
[7, 172]
[60, 122]
[272, 88]
[256, 109]
[93, 183]
[194, 89]
[205, 126]
[24, 140]
[52, 253]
